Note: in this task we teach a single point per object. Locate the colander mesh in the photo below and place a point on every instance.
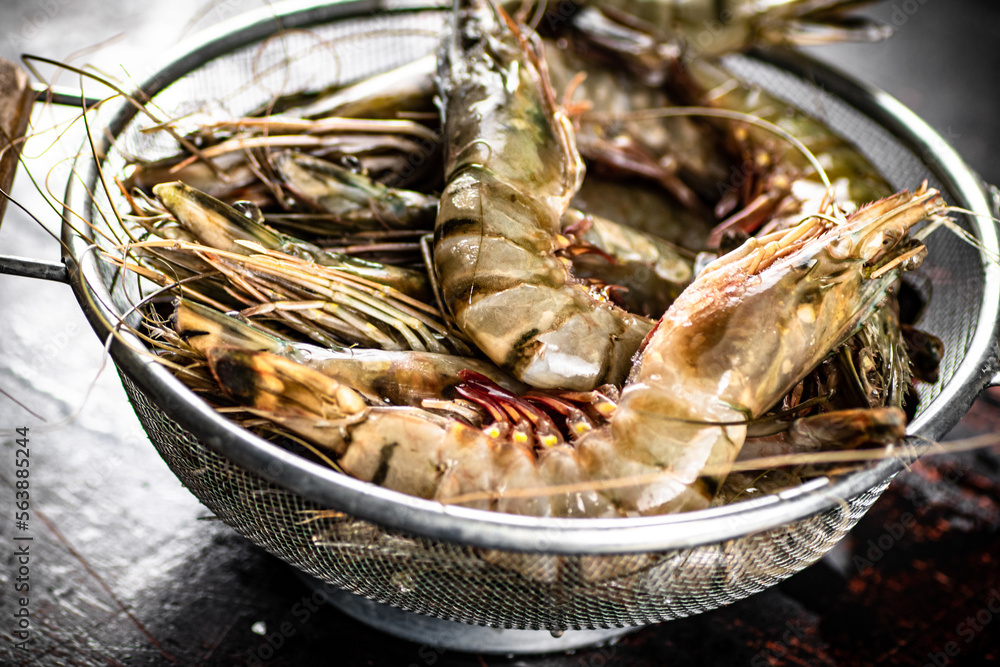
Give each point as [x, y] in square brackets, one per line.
[459, 582]
[482, 586]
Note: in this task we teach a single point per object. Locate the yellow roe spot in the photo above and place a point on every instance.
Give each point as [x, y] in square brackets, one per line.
[806, 313]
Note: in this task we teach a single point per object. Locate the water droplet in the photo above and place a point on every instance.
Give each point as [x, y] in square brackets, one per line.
[249, 210]
[352, 164]
[556, 633]
[259, 628]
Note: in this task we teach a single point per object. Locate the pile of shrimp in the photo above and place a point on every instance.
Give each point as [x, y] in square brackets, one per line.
[566, 266]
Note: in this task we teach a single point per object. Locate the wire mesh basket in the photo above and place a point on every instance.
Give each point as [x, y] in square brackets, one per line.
[491, 569]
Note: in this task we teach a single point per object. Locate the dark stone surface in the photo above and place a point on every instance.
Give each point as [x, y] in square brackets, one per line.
[128, 568]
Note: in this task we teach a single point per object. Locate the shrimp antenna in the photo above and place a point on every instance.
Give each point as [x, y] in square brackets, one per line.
[46, 193]
[540, 10]
[909, 451]
[21, 405]
[965, 211]
[963, 234]
[115, 334]
[27, 58]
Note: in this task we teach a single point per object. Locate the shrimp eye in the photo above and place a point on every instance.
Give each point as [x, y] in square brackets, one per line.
[890, 238]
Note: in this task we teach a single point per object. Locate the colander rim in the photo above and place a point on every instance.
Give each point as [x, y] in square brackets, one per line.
[495, 530]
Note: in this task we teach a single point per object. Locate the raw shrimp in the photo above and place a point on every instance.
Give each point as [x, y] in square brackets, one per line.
[842, 429]
[406, 449]
[353, 199]
[644, 207]
[740, 337]
[381, 376]
[232, 165]
[511, 171]
[857, 398]
[684, 155]
[327, 305]
[786, 184]
[746, 331]
[767, 177]
[714, 27]
[651, 271]
[221, 226]
[408, 88]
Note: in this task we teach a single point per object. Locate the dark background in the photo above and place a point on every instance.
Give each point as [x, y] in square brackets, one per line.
[128, 568]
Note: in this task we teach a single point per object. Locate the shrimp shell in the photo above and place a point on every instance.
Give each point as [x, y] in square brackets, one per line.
[735, 342]
[511, 171]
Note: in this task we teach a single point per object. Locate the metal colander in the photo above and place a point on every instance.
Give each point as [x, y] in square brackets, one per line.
[492, 569]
